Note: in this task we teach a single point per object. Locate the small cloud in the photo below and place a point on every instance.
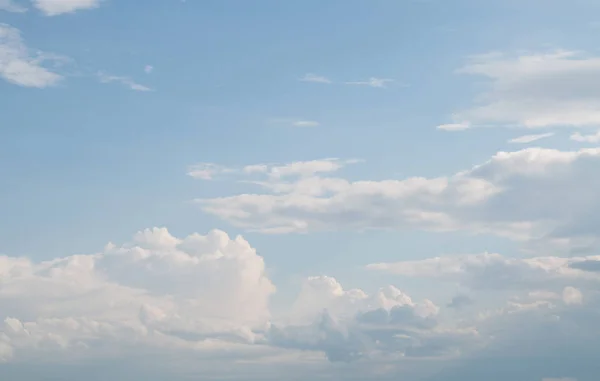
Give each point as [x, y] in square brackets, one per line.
[571, 295]
[148, 69]
[295, 122]
[18, 65]
[11, 6]
[315, 78]
[530, 138]
[126, 81]
[58, 7]
[207, 171]
[305, 123]
[372, 82]
[454, 126]
[578, 137]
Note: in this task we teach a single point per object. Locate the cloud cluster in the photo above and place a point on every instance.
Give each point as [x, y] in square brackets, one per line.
[526, 195]
[157, 290]
[558, 88]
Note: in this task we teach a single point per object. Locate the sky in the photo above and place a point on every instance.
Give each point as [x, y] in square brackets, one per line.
[299, 190]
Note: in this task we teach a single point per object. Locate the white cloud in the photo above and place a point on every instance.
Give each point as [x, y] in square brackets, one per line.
[454, 126]
[305, 123]
[125, 81]
[295, 122]
[578, 137]
[298, 169]
[157, 291]
[207, 171]
[148, 69]
[526, 195]
[11, 6]
[58, 7]
[372, 82]
[494, 271]
[18, 65]
[530, 138]
[571, 295]
[315, 79]
[560, 88]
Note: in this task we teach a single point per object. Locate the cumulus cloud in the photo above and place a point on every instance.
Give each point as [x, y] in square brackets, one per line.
[21, 66]
[58, 7]
[558, 88]
[349, 325]
[530, 138]
[157, 291]
[526, 195]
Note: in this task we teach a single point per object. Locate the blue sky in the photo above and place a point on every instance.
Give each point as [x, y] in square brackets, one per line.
[412, 184]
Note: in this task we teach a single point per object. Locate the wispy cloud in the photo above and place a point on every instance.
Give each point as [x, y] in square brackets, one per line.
[453, 126]
[305, 123]
[315, 78]
[11, 6]
[58, 7]
[578, 137]
[18, 65]
[125, 81]
[372, 82]
[295, 122]
[148, 69]
[530, 138]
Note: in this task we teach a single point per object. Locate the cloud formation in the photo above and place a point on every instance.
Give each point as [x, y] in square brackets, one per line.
[125, 81]
[157, 290]
[530, 138]
[372, 82]
[310, 77]
[552, 89]
[21, 66]
[58, 7]
[525, 195]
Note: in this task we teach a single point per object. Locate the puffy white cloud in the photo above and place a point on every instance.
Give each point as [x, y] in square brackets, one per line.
[559, 88]
[58, 7]
[525, 195]
[158, 291]
[18, 65]
[349, 325]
